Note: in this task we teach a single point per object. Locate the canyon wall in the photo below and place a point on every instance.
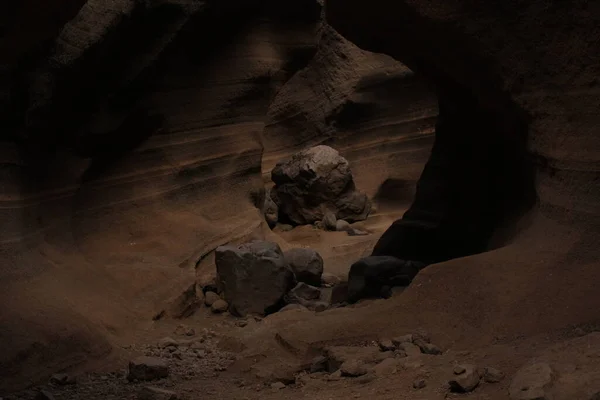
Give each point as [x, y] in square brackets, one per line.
[136, 132]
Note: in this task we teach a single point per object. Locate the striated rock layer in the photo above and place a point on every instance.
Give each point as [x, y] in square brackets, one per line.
[134, 139]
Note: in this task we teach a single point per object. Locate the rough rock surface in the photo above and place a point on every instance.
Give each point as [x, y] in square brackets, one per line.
[254, 277]
[307, 265]
[316, 181]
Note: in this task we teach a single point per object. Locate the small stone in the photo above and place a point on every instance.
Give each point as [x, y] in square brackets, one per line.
[285, 227]
[465, 381]
[210, 298]
[168, 342]
[219, 306]
[400, 353]
[147, 369]
[492, 375]
[341, 225]
[302, 291]
[44, 395]
[335, 376]
[402, 339]
[318, 364]
[62, 379]
[353, 368]
[411, 350]
[356, 232]
[319, 306]
[278, 386]
[241, 324]
[171, 349]
[184, 330]
[329, 221]
[386, 345]
[200, 353]
[419, 384]
[153, 393]
[388, 366]
[421, 334]
[428, 348]
[336, 294]
[270, 210]
[307, 265]
[328, 279]
[365, 378]
[532, 382]
[459, 369]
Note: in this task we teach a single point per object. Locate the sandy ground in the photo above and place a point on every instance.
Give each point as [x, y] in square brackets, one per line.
[474, 311]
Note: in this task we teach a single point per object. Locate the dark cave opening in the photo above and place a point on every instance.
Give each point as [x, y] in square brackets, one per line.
[478, 180]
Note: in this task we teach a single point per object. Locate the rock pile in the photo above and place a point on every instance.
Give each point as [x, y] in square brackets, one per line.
[258, 278]
[316, 184]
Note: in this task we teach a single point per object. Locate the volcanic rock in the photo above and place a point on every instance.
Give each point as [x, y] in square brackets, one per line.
[316, 181]
[253, 276]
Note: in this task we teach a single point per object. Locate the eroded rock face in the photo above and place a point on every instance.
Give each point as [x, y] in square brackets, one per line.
[254, 277]
[484, 59]
[316, 181]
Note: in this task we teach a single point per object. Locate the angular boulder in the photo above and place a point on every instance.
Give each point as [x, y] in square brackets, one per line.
[316, 181]
[307, 265]
[253, 277]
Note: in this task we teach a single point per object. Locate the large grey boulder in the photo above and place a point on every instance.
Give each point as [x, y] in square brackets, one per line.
[315, 181]
[253, 277]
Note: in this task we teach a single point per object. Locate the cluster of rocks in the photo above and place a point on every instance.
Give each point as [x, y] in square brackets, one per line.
[257, 278]
[331, 223]
[389, 356]
[153, 376]
[315, 186]
[466, 377]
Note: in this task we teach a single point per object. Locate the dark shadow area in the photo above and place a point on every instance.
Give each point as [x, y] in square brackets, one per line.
[479, 178]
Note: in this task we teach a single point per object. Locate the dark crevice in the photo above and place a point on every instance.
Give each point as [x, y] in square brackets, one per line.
[479, 178]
